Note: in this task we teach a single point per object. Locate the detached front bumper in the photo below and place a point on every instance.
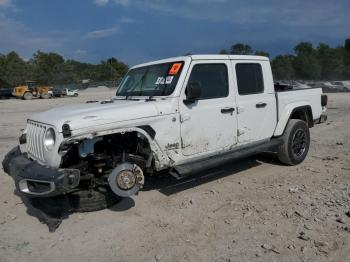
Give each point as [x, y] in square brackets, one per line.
[322, 119]
[35, 180]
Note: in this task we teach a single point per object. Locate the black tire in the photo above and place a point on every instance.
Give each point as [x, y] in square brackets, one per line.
[296, 143]
[44, 96]
[94, 200]
[27, 96]
[80, 201]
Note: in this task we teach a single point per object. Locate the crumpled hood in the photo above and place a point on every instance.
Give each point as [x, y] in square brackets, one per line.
[94, 114]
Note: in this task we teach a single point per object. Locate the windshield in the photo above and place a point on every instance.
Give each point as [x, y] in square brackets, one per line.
[154, 80]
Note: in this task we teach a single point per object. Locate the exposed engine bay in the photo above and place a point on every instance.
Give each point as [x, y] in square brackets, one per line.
[118, 161]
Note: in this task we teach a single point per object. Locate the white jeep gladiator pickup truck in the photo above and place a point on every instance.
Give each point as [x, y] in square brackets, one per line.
[181, 115]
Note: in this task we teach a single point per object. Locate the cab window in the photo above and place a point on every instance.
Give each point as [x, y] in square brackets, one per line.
[212, 78]
[249, 78]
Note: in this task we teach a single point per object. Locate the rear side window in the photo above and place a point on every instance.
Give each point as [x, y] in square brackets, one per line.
[249, 79]
[212, 78]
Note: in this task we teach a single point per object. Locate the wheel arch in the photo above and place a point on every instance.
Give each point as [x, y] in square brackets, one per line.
[300, 111]
[161, 159]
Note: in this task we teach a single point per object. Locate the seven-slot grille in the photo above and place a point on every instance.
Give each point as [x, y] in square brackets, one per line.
[35, 140]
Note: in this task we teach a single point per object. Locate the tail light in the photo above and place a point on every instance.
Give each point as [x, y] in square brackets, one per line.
[324, 100]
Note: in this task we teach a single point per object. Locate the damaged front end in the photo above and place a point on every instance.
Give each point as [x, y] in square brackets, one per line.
[35, 180]
[117, 161]
[111, 161]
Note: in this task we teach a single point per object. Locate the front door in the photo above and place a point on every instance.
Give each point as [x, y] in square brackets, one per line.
[209, 124]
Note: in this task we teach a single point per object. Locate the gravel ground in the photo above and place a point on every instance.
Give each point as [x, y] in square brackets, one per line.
[250, 210]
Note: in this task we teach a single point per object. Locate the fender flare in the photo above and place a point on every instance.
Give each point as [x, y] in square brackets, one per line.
[288, 112]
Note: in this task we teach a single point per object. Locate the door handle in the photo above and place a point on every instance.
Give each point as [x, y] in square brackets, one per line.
[261, 105]
[227, 110]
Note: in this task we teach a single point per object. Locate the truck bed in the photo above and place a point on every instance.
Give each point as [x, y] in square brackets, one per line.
[309, 96]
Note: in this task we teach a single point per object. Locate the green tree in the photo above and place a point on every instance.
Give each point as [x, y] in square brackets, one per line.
[64, 73]
[303, 48]
[306, 64]
[262, 53]
[52, 68]
[118, 68]
[44, 66]
[14, 70]
[347, 45]
[346, 72]
[282, 67]
[2, 67]
[223, 52]
[241, 49]
[3, 83]
[331, 62]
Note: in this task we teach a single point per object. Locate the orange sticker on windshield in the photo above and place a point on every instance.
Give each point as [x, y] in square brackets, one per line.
[175, 68]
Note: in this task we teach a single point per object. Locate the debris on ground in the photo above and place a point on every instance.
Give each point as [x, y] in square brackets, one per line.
[292, 247]
[303, 236]
[268, 247]
[329, 158]
[340, 220]
[293, 189]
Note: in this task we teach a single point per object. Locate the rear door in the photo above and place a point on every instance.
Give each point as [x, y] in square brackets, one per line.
[256, 101]
[209, 124]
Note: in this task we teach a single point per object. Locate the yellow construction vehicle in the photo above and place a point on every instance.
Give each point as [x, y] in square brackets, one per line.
[32, 90]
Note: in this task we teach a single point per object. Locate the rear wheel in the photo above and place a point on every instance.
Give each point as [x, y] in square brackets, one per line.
[27, 96]
[296, 143]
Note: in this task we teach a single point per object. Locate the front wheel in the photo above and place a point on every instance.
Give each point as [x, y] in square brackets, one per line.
[27, 96]
[296, 143]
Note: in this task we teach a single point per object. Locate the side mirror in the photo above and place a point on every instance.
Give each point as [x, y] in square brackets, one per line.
[193, 92]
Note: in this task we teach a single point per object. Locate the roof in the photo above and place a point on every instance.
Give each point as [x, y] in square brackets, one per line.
[229, 57]
[204, 57]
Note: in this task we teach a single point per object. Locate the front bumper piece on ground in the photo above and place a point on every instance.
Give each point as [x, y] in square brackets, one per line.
[322, 119]
[35, 180]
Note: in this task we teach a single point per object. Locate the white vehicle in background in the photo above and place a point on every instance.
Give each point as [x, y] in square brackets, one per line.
[50, 92]
[181, 115]
[69, 92]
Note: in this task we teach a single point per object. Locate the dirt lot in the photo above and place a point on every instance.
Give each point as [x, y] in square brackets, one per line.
[251, 210]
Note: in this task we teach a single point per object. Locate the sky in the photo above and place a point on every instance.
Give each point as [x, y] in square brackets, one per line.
[136, 31]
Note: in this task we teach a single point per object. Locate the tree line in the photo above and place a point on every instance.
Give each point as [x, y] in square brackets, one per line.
[307, 63]
[53, 69]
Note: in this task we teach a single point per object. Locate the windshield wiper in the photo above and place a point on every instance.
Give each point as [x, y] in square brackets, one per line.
[150, 98]
[126, 98]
